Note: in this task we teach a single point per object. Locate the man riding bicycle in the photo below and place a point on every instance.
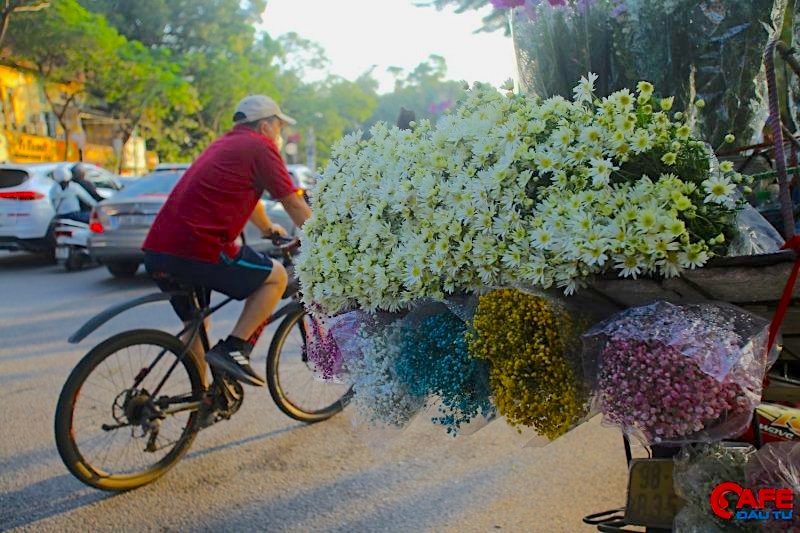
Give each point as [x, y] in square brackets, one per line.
[193, 238]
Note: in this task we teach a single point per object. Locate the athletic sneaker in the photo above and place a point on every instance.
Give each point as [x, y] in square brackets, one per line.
[234, 359]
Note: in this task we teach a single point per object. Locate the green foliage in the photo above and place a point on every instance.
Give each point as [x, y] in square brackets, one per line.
[64, 43]
[495, 20]
[420, 90]
[184, 25]
[173, 70]
[332, 107]
[141, 88]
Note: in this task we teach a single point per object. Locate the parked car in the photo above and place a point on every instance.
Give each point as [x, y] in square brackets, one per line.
[163, 167]
[120, 224]
[26, 210]
[303, 176]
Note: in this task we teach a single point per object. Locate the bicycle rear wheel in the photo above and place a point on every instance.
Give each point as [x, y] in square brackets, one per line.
[128, 411]
[291, 378]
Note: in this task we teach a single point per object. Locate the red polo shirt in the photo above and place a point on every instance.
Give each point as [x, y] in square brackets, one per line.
[210, 205]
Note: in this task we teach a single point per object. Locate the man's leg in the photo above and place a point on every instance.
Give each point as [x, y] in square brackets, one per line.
[233, 354]
[198, 352]
[259, 306]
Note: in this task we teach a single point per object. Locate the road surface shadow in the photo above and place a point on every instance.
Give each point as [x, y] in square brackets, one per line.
[27, 459]
[44, 499]
[23, 261]
[241, 442]
[401, 502]
[141, 279]
[57, 495]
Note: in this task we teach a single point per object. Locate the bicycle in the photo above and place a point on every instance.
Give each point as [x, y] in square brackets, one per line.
[155, 412]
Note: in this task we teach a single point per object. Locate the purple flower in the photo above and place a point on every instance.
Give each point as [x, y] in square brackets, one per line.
[619, 9]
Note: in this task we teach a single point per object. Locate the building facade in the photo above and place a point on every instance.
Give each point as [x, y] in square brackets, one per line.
[30, 131]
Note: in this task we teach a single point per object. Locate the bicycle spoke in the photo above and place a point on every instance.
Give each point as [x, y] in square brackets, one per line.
[298, 380]
[101, 401]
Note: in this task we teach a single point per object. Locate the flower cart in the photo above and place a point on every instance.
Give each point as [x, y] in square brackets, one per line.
[548, 259]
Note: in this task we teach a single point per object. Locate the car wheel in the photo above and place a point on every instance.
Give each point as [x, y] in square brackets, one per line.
[123, 270]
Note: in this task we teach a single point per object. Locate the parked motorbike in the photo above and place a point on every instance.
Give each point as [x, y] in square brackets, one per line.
[71, 244]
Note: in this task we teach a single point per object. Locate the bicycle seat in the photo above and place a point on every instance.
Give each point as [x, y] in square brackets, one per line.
[171, 283]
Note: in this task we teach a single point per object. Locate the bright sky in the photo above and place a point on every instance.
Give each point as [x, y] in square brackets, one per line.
[358, 34]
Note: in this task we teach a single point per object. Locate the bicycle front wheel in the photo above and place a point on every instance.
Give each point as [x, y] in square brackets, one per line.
[128, 411]
[291, 378]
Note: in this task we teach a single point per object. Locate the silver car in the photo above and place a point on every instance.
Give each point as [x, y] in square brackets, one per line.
[120, 224]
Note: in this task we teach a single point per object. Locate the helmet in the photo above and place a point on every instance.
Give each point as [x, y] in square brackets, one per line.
[62, 175]
[78, 171]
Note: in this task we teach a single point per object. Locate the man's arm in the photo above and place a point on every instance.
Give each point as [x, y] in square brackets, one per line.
[271, 174]
[84, 196]
[297, 208]
[260, 219]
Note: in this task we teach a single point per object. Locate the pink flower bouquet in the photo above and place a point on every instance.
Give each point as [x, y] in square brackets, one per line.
[677, 374]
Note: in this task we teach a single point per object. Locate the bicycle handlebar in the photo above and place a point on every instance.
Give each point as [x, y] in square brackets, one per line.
[287, 245]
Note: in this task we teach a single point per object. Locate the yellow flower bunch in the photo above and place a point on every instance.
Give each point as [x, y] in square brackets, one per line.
[525, 339]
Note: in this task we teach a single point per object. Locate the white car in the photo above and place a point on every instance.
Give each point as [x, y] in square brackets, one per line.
[26, 209]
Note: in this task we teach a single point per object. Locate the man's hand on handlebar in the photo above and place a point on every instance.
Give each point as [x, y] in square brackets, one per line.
[287, 245]
[276, 230]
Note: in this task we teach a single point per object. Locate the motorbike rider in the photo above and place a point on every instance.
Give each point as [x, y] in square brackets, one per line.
[69, 199]
[79, 176]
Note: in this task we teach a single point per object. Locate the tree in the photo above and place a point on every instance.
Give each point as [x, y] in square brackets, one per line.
[9, 7]
[140, 88]
[495, 20]
[425, 90]
[299, 55]
[214, 43]
[331, 108]
[67, 46]
[184, 26]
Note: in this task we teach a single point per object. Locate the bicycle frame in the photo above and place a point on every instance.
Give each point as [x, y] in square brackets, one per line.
[196, 327]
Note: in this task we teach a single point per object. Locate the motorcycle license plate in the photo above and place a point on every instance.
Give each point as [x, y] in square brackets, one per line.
[652, 501]
[62, 252]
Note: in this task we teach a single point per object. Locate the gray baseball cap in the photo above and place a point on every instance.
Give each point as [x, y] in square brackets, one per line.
[258, 106]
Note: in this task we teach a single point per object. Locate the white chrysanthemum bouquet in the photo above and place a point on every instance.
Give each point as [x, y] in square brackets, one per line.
[510, 190]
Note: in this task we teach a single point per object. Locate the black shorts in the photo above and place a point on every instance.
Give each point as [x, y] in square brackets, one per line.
[237, 277]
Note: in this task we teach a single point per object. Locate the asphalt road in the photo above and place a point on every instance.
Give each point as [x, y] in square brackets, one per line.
[262, 471]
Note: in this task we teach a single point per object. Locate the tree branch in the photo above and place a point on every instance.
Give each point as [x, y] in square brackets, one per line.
[30, 9]
[8, 9]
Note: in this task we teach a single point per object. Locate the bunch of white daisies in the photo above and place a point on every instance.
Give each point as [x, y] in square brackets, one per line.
[510, 190]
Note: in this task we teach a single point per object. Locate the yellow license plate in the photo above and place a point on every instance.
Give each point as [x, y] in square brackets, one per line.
[652, 501]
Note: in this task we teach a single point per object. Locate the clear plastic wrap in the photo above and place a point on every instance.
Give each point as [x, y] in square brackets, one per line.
[323, 351]
[692, 520]
[434, 365]
[755, 235]
[777, 466]
[698, 470]
[334, 340]
[674, 374]
[380, 397]
[711, 50]
[532, 348]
